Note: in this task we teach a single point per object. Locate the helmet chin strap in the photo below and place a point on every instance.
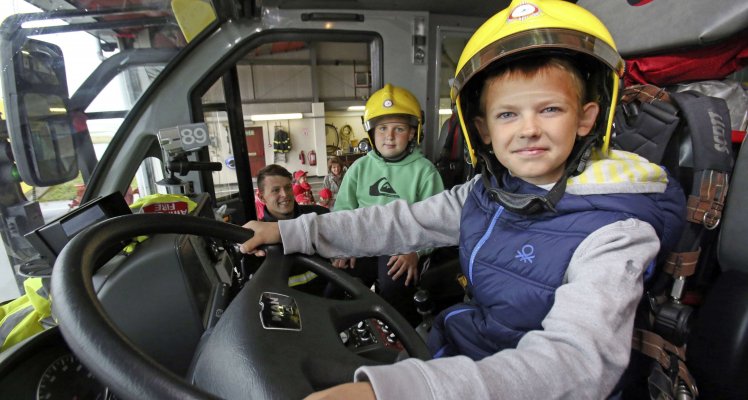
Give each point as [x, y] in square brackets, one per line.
[528, 204]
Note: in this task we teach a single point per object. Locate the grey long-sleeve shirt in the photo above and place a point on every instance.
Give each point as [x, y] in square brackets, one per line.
[586, 338]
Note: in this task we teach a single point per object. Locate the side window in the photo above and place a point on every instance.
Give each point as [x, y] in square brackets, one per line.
[105, 108]
[451, 41]
[151, 170]
[295, 97]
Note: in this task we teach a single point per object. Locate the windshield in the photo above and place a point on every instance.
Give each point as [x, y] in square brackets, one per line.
[109, 60]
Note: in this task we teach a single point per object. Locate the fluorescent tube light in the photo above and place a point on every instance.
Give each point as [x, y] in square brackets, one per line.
[356, 108]
[445, 111]
[275, 117]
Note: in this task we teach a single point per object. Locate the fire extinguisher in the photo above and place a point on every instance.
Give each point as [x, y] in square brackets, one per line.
[312, 158]
[302, 157]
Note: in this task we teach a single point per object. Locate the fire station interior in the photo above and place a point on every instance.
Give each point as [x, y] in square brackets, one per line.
[314, 91]
[311, 87]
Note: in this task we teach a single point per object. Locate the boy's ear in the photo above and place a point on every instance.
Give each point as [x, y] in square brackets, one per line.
[588, 118]
[260, 196]
[482, 127]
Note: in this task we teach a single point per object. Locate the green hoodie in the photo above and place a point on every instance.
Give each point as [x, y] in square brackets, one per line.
[371, 180]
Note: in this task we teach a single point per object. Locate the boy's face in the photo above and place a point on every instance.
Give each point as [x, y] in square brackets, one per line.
[301, 179]
[391, 136]
[532, 122]
[277, 194]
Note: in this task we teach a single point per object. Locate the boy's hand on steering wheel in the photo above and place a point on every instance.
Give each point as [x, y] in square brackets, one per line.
[264, 233]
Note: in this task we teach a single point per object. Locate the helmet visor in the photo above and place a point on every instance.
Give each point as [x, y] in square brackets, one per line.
[537, 39]
[411, 120]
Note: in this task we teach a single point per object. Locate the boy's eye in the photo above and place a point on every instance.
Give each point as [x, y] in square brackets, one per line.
[504, 115]
[551, 109]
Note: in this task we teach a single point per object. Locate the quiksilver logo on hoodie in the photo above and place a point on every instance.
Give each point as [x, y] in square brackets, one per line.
[382, 187]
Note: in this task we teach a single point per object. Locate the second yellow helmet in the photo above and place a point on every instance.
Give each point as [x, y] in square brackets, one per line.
[393, 101]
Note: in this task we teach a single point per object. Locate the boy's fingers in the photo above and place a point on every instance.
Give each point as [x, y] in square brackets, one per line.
[396, 271]
[392, 269]
[392, 261]
[248, 247]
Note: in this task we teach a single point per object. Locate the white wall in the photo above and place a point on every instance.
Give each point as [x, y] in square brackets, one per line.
[306, 134]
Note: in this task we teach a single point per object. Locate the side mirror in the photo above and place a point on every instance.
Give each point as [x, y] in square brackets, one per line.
[39, 123]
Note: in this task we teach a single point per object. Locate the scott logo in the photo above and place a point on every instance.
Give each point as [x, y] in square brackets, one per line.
[718, 132]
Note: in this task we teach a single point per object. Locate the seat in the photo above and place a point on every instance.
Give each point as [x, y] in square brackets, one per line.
[718, 344]
[676, 131]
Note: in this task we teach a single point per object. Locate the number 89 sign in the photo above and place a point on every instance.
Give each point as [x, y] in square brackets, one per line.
[194, 136]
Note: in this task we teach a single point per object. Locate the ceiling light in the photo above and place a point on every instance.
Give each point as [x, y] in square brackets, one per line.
[275, 117]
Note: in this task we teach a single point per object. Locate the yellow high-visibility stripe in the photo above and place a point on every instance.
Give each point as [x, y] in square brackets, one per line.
[619, 167]
[301, 279]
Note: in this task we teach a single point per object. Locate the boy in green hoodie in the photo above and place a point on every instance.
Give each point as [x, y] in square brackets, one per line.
[395, 170]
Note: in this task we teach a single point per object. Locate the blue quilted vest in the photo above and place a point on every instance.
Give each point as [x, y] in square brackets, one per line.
[515, 263]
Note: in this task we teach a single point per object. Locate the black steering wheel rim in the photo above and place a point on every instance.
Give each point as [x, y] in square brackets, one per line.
[94, 338]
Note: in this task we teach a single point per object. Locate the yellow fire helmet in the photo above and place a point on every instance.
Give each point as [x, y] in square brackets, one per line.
[393, 101]
[545, 26]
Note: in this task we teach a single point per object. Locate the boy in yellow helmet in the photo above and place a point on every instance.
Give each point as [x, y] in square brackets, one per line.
[555, 233]
[395, 170]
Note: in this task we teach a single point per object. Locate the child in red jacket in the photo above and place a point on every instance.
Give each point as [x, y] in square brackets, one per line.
[302, 190]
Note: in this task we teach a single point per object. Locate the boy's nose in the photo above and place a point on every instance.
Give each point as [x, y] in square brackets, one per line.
[529, 127]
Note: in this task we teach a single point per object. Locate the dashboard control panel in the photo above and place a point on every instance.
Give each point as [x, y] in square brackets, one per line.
[374, 339]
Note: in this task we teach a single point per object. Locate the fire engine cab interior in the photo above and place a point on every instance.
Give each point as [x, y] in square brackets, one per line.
[157, 305]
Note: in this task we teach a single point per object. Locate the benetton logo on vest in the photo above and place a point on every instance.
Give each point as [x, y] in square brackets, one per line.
[526, 254]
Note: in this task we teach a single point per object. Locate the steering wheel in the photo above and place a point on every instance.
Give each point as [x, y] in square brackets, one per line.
[286, 351]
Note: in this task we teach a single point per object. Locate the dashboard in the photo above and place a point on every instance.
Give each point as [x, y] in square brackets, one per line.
[43, 368]
[160, 293]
